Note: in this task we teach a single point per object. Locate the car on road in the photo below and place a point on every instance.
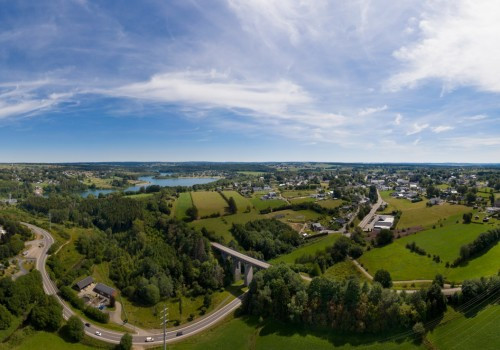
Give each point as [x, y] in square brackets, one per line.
[87, 324]
[179, 334]
[98, 333]
[149, 339]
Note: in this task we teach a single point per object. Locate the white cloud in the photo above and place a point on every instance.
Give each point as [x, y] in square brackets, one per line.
[474, 142]
[217, 90]
[398, 119]
[457, 45]
[417, 128]
[372, 110]
[416, 142]
[442, 128]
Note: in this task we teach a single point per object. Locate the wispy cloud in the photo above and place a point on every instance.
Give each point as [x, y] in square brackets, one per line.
[417, 128]
[398, 119]
[442, 128]
[456, 46]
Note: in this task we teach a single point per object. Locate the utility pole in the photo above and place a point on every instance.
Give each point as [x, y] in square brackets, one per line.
[164, 317]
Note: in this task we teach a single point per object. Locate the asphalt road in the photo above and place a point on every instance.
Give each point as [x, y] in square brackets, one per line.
[367, 218]
[112, 336]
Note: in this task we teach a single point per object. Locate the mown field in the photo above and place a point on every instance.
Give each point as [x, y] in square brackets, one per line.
[443, 241]
[297, 193]
[246, 333]
[182, 204]
[308, 248]
[418, 214]
[45, 340]
[208, 203]
[241, 202]
[294, 216]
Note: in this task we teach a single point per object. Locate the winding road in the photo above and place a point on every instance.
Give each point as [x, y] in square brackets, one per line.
[112, 336]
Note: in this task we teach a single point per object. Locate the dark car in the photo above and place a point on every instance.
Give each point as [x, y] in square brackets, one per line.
[87, 324]
[178, 334]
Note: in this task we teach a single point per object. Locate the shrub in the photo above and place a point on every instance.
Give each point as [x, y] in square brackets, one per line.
[383, 277]
[96, 315]
[74, 329]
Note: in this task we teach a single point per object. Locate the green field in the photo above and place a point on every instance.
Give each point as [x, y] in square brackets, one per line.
[209, 203]
[478, 332]
[260, 204]
[294, 216]
[343, 270]
[330, 203]
[443, 241]
[418, 214]
[246, 333]
[297, 193]
[302, 200]
[182, 204]
[307, 248]
[241, 202]
[45, 340]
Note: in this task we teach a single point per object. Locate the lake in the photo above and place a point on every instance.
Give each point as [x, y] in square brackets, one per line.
[171, 182]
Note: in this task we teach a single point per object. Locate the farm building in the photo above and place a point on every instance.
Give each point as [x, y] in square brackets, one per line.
[384, 222]
[316, 226]
[105, 290]
[85, 282]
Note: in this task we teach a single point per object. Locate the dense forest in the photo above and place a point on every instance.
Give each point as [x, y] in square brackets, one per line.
[12, 242]
[266, 238]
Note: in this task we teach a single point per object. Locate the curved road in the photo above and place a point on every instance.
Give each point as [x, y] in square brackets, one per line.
[114, 337]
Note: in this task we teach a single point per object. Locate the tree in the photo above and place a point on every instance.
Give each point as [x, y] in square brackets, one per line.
[207, 300]
[5, 317]
[384, 237]
[232, 205]
[439, 279]
[149, 294]
[74, 329]
[384, 278]
[126, 342]
[419, 331]
[467, 218]
[47, 316]
[192, 213]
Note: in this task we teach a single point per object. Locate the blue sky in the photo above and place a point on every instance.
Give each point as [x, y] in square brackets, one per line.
[250, 80]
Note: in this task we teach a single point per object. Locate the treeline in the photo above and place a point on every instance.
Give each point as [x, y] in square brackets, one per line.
[344, 305]
[69, 295]
[12, 242]
[25, 298]
[482, 243]
[304, 206]
[266, 238]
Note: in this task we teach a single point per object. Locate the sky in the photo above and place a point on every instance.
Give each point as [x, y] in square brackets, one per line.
[250, 80]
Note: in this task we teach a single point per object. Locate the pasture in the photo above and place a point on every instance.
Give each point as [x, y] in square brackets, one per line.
[289, 215]
[241, 202]
[297, 193]
[309, 248]
[208, 203]
[182, 204]
[222, 226]
[443, 241]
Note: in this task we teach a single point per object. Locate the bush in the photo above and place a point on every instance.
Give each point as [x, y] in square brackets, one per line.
[419, 331]
[384, 237]
[5, 317]
[96, 315]
[69, 295]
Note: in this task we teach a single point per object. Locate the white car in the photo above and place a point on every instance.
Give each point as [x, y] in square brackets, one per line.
[98, 333]
[149, 339]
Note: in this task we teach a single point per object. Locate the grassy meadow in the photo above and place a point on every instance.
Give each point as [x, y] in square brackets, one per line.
[246, 333]
[443, 241]
[343, 270]
[208, 203]
[260, 204]
[182, 204]
[330, 203]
